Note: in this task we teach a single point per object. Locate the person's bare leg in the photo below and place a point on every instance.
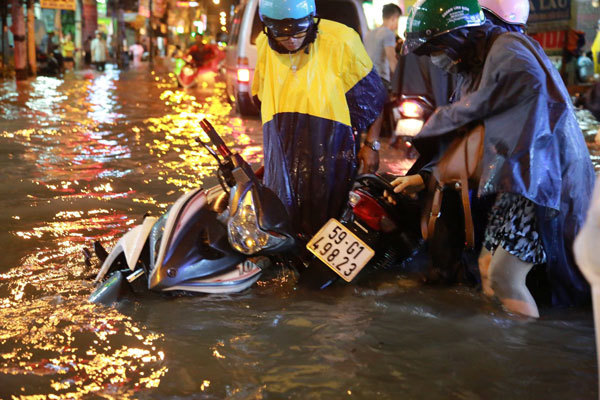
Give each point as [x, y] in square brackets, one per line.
[507, 275]
[484, 260]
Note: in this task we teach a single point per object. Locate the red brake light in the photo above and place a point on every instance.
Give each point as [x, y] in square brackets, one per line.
[367, 209]
[243, 73]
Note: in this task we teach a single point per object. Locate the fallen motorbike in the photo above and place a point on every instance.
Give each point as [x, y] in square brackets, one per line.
[209, 241]
[371, 235]
[220, 240]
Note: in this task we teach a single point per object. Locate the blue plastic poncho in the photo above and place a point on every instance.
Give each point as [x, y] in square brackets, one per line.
[533, 147]
[310, 102]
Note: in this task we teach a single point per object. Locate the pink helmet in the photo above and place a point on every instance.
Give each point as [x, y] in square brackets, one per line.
[510, 11]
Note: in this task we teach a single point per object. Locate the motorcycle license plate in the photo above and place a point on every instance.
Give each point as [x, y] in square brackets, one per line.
[340, 249]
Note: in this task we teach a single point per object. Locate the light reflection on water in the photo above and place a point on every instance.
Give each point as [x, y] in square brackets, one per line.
[123, 146]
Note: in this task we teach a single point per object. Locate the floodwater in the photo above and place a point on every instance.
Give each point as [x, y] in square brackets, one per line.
[83, 158]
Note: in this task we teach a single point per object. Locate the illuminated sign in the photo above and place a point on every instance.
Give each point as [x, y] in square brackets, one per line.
[58, 4]
[159, 7]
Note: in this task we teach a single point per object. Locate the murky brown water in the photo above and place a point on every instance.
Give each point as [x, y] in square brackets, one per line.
[85, 157]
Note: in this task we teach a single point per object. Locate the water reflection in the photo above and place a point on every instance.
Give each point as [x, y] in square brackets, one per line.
[75, 152]
[101, 99]
[184, 162]
[45, 97]
[74, 349]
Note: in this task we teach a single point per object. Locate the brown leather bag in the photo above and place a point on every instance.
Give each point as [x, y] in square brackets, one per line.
[459, 165]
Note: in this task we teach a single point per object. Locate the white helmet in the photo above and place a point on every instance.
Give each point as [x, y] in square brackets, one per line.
[510, 11]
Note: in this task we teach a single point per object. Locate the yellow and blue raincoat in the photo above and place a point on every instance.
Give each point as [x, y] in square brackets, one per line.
[311, 103]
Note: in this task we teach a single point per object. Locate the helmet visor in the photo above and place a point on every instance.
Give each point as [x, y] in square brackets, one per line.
[287, 27]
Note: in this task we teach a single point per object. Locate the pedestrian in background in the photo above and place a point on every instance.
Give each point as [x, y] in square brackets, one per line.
[68, 50]
[381, 44]
[137, 51]
[87, 50]
[99, 51]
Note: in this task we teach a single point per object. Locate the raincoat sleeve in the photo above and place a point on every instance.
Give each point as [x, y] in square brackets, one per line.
[521, 101]
[513, 80]
[365, 93]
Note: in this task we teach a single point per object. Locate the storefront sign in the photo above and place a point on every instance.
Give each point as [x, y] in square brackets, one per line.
[551, 41]
[159, 7]
[541, 11]
[58, 4]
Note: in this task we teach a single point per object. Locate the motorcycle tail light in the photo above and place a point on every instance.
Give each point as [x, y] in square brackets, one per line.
[243, 75]
[367, 209]
[411, 109]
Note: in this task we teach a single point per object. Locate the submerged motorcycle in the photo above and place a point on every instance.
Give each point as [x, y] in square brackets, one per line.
[220, 240]
[209, 241]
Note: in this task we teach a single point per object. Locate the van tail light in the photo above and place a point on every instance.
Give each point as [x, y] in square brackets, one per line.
[367, 209]
[243, 73]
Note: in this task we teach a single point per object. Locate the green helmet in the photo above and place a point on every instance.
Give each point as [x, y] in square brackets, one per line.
[430, 18]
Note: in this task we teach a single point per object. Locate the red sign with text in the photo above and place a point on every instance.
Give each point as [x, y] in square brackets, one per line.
[551, 41]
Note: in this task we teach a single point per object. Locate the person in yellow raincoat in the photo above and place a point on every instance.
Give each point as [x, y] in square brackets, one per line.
[595, 50]
[317, 88]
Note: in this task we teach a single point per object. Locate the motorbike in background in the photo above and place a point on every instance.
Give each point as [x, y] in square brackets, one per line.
[410, 114]
[48, 64]
[209, 241]
[186, 71]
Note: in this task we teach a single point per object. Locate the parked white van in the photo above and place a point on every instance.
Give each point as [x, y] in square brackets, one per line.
[240, 53]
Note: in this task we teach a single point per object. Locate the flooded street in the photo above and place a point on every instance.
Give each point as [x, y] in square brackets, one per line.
[85, 157]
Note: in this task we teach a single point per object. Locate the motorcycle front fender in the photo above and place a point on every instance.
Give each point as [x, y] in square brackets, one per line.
[130, 245]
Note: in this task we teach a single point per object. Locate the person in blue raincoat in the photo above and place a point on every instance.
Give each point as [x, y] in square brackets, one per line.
[536, 166]
[317, 87]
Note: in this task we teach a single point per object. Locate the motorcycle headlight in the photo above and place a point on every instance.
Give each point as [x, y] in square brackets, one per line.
[411, 109]
[245, 235]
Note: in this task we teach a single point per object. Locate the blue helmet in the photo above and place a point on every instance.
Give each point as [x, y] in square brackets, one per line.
[286, 17]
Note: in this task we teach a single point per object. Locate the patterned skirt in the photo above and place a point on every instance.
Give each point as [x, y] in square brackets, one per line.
[512, 225]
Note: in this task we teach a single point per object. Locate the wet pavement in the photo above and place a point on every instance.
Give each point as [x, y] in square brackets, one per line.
[85, 157]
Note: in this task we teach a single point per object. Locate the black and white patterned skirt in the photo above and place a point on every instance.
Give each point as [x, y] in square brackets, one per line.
[512, 225]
